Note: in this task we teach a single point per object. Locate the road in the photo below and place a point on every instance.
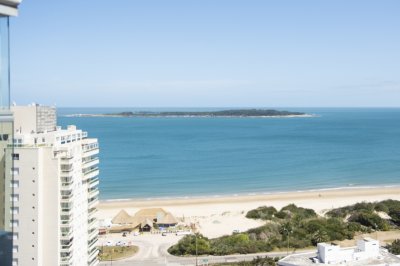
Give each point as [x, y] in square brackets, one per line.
[153, 252]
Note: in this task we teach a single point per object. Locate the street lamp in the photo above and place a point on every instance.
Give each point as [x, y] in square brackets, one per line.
[288, 231]
[195, 236]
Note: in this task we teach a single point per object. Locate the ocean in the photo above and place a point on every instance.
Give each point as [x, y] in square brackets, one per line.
[209, 157]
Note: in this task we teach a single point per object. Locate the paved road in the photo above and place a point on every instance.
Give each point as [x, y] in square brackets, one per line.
[180, 261]
[153, 251]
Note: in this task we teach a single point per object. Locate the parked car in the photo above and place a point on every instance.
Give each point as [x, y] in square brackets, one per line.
[109, 243]
[164, 234]
[124, 234]
[119, 243]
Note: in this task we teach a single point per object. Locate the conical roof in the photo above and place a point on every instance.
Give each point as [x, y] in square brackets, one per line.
[121, 218]
[168, 219]
[152, 213]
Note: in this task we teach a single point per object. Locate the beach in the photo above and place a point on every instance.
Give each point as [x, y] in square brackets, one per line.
[221, 215]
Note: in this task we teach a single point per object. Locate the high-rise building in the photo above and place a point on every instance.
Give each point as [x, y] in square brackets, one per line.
[55, 191]
[7, 8]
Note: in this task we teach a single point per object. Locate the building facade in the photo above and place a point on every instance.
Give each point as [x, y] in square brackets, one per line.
[367, 253]
[54, 177]
[7, 8]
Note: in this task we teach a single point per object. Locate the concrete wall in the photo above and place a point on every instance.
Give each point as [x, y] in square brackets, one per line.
[34, 118]
[49, 193]
[24, 118]
[28, 215]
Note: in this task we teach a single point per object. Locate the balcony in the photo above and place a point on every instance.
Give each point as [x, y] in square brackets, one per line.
[93, 234]
[67, 247]
[67, 235]
[90, 163]
[66, 260]
[93, 193]
[65, 223]
[92, 222]
[67, 198]
[67, 168]
[92, 243]
[66, 211]
[94, 182]
[93, 203]
[91, 173]
[92, 259]
[66, 180]
[88, 147]
[91, 213]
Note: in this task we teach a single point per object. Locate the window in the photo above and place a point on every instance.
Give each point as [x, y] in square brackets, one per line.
[14, 210]
[14, 223]
[14, 184]
[15, 249]
[4, 137]
[15, 156]
[14, 197]
[15, 236]
[15, 171]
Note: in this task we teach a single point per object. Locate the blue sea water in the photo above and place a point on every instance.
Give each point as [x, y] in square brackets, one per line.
[185, 157]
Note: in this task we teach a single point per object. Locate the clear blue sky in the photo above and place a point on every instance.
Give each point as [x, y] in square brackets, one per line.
[207, 53]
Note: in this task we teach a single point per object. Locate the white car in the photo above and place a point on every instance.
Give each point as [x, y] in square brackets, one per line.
[120, 244]
[109, 243]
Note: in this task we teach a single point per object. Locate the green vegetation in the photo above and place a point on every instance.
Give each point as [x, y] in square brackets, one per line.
[297, 228]
[263, 213]
[394, 248]
[233, 113]
[259, 261]
[116, 253]
[366, 214]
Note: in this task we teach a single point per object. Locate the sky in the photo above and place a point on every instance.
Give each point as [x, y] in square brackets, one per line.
[208, 53]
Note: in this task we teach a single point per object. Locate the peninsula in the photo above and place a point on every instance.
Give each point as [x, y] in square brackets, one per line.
[222, 113]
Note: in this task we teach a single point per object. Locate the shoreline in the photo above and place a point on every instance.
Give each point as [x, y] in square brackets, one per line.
[218, 216]
[192, 116]
[243, 194]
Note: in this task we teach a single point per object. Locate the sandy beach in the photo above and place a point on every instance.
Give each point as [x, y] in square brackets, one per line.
[218, 216]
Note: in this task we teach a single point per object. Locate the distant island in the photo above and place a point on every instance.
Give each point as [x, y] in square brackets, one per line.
[223, 113]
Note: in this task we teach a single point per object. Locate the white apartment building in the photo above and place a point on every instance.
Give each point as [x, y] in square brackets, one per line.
[54, 191]
[366, 253]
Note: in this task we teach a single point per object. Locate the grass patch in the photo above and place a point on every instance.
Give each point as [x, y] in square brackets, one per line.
[116, 253]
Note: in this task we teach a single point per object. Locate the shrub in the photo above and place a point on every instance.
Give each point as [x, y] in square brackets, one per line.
[299, 211]
[370, 220]
[187, 246]
[264, 213]
[394, 248]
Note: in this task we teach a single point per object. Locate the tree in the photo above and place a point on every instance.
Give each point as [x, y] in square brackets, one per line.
[319, 237]
[394, 248]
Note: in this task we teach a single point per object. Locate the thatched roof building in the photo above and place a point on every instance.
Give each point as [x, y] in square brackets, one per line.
[122, 218]
[145, 218]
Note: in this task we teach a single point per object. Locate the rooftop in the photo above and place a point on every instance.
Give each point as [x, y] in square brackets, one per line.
[9, 7]
[307, 259]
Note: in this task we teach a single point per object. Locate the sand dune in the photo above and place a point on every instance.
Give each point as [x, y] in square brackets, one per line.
[218, 216]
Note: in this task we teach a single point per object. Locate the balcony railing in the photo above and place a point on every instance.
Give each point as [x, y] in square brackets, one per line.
[92, 243]
[93, 182]
[66, 235]
[92, 203]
